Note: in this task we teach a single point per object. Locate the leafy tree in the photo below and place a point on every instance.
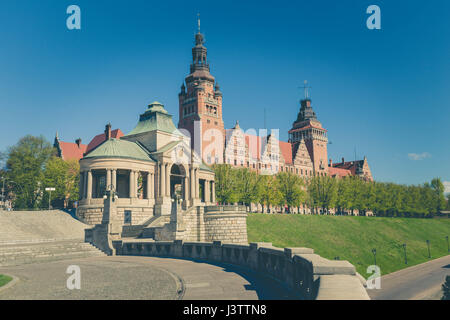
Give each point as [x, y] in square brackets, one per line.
[270, 195]
[225, 180]
[25, 164]
[248, 188]
[64, 177]
[438, 189]
[291, 190]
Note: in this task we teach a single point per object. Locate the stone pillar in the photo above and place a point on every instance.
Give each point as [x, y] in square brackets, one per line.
[89, 185]
[197, 184]
[131, 184]
[185, 188]
[136, 183]
[162, 178]
[167, 180]
[114, 179]
[149, 185]
[108, 178]
[207, 192]
[213, 190]
[85, 185]
[192, 188]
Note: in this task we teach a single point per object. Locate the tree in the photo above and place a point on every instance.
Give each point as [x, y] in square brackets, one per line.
[270, 195]
[64, 177]
[323, 192]
[291, 190]
[438, 189]
[25, 165]
[225, 181]
[247, 186]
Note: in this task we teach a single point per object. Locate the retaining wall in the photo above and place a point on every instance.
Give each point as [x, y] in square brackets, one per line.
[307, 274]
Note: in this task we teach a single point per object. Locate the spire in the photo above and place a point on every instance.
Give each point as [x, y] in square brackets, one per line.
[198, 22]
[306, 88]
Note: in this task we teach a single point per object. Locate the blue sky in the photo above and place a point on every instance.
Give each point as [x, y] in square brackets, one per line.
[384, 93]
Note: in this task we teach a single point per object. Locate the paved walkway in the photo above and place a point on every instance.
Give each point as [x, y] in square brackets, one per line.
[127, 277]
[421, 282]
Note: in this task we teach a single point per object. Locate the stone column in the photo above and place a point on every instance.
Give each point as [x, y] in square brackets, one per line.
[149, 185]
[131, 183]
[114, 179]
[89, 185]
[197, 184]
[162, 177]
[108, 178]
[207, 192]
[185, 187]
[167, 180]
[85, 174]
[192, 188]
[136, 183]
[213, 190]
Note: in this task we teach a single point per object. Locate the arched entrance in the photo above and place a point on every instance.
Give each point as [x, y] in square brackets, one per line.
[177, 181]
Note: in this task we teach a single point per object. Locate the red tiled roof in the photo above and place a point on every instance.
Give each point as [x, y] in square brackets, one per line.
[70, 150]
[349, 165]
[286, 151]
[332, 171]
[98, 139]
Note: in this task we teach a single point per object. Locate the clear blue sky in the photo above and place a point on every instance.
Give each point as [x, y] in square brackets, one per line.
[384, 92]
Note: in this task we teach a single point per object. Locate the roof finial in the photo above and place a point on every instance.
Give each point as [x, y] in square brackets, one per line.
[306, 87]
[198, 22]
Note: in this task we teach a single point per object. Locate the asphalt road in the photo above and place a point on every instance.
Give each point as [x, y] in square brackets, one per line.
[420, 282]
[135, 278]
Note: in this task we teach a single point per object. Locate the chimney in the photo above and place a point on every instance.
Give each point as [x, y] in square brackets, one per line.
[331, 162]
[108, 131]
[78, 142]
[343, 160]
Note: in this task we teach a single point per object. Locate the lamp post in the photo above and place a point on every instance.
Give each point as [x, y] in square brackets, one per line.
[448, 246]
[429, 252]
[374, 252]
[406, 258]
[50, 196]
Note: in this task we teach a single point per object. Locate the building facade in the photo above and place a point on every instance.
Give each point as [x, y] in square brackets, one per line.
[201, 117]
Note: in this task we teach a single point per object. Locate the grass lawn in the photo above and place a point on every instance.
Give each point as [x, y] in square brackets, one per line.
[4, 279]
[353, 238]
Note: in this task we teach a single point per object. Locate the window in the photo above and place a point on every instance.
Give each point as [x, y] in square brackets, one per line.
[127, 217]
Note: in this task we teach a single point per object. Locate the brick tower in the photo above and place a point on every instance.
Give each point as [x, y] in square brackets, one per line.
[310, 130]
[200, 106]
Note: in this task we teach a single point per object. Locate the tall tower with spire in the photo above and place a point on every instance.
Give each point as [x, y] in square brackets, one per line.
[309, 130]
[200, 106]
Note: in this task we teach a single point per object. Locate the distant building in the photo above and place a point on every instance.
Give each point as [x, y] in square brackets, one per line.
[70, 150]
[201, 116]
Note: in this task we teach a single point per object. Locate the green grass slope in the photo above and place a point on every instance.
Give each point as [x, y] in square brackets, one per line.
[353, 238]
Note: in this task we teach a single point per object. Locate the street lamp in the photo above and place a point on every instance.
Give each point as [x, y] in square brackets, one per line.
[374, 252]
[50, 196]
[448, 247]
[428, 245]
[406, 258]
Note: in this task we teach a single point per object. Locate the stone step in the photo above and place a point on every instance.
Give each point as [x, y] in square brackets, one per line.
[33, 253]
[48, 258]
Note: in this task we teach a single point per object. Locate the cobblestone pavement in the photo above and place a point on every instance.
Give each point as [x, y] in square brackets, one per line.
[127, 277]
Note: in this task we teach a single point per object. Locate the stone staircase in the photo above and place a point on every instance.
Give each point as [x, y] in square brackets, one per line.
[145, 230]
[13, 254]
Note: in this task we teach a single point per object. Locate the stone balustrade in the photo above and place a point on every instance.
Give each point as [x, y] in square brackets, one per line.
[307, 275]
